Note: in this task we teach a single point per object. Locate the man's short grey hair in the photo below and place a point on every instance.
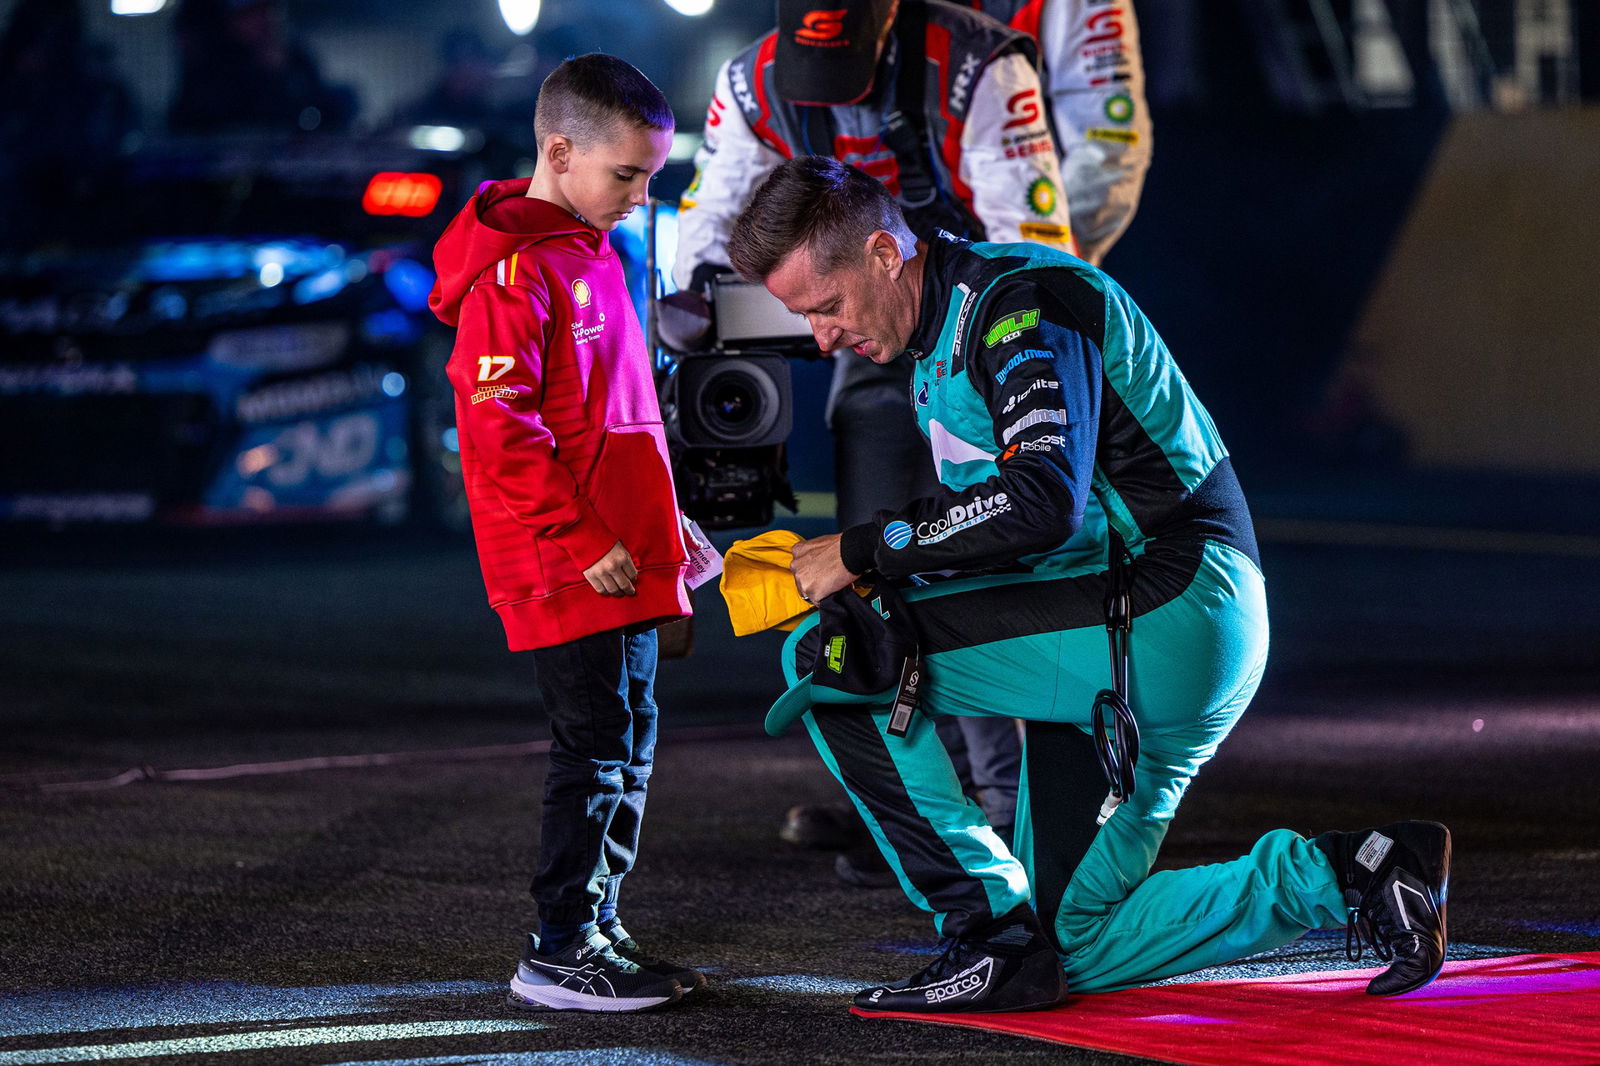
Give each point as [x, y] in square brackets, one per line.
[815, 202]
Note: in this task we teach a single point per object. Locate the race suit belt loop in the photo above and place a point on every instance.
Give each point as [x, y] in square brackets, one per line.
[1117, 741]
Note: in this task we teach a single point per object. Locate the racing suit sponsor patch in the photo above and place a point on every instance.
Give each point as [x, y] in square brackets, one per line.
[493, 392]
[1010, 328]
[1033, 418]
[1045, 232]
[1042, 197]
[897, 534]
[1042, 383]
[1018, 359]
[1116, 136]
[962, 516]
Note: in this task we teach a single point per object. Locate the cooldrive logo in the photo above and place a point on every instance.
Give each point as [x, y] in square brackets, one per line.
[1017, 360]
[962, 516]
[1010, 328]
[823, 29]
[897, 534]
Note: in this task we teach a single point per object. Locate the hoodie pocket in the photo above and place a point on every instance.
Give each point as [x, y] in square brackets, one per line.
[631, 490]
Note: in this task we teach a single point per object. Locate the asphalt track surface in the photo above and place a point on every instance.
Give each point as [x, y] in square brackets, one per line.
[370, 914]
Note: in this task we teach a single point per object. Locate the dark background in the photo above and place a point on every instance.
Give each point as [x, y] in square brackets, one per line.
[1434, 647]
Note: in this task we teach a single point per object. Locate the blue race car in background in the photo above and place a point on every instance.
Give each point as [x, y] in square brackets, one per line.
[235, 331]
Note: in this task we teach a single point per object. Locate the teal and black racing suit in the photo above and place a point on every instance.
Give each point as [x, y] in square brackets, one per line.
[1038, 383]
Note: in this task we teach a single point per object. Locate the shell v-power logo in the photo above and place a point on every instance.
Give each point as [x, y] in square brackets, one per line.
[823, 28]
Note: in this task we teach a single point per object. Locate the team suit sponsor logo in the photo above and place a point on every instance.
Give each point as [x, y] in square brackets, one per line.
[1056, 417]
[1042, 383]
[1018, 359]
[961, 517]
[961, 85]
[1010, 328]
[823, 29]
[1042, 197]
[897, 534]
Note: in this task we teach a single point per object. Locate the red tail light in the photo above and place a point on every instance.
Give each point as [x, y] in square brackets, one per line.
[396, 193]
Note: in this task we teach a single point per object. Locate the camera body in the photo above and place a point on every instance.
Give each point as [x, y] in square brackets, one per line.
[729, 408]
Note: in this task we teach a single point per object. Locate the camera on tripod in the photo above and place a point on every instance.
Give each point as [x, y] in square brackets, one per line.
[729, 405]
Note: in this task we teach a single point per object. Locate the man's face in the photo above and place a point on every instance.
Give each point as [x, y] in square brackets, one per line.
[605, 182]
[867, 305]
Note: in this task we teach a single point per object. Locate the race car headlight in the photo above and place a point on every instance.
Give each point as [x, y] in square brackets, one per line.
[281, 348]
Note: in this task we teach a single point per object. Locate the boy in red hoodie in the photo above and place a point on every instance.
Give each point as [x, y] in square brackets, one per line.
[572, 502]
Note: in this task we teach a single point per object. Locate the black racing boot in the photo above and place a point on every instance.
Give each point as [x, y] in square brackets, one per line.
[1395, 880]
[1008, 966]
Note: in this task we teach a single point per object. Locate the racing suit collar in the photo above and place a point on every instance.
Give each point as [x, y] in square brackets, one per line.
[930, 316]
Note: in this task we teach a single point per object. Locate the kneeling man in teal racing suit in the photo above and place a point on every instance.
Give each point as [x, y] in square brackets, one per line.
[1039, 382]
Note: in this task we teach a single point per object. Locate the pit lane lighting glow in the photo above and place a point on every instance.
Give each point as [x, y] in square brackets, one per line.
[394, 193]
[520, 15]
[438, 138]
[271, 275]
[394, 384]
[692, 8]
[137, 7]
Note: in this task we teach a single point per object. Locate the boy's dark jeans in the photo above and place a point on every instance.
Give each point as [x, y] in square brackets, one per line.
[599, 692]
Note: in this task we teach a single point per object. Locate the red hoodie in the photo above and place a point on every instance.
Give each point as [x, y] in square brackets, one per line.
[562, 446]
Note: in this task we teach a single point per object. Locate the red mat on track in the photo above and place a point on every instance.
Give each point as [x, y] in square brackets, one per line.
[1483, 1012]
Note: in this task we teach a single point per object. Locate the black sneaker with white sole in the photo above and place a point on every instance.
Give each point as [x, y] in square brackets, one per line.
[628, 948]
[586, 975]
[1010, 966]
[1395, 880]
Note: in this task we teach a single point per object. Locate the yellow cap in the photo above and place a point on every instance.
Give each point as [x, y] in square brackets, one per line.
[758, 585]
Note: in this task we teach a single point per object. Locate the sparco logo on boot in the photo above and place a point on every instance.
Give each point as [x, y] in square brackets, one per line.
[962, 516]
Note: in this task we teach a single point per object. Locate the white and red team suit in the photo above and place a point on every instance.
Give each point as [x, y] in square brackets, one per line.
[983, 111]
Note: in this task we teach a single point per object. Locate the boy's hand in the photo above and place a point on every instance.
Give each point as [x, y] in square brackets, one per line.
[818, 569]
[613, 575]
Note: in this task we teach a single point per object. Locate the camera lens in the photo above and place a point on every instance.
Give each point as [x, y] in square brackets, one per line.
[737, 406]
[732, 402]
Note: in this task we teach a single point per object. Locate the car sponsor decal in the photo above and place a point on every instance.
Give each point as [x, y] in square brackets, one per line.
[1010, 327]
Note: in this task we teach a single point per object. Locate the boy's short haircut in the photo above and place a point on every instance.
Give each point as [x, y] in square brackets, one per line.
[817, 202]
[588, 95]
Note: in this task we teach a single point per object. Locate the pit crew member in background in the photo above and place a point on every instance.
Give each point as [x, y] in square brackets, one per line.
[944, 106]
